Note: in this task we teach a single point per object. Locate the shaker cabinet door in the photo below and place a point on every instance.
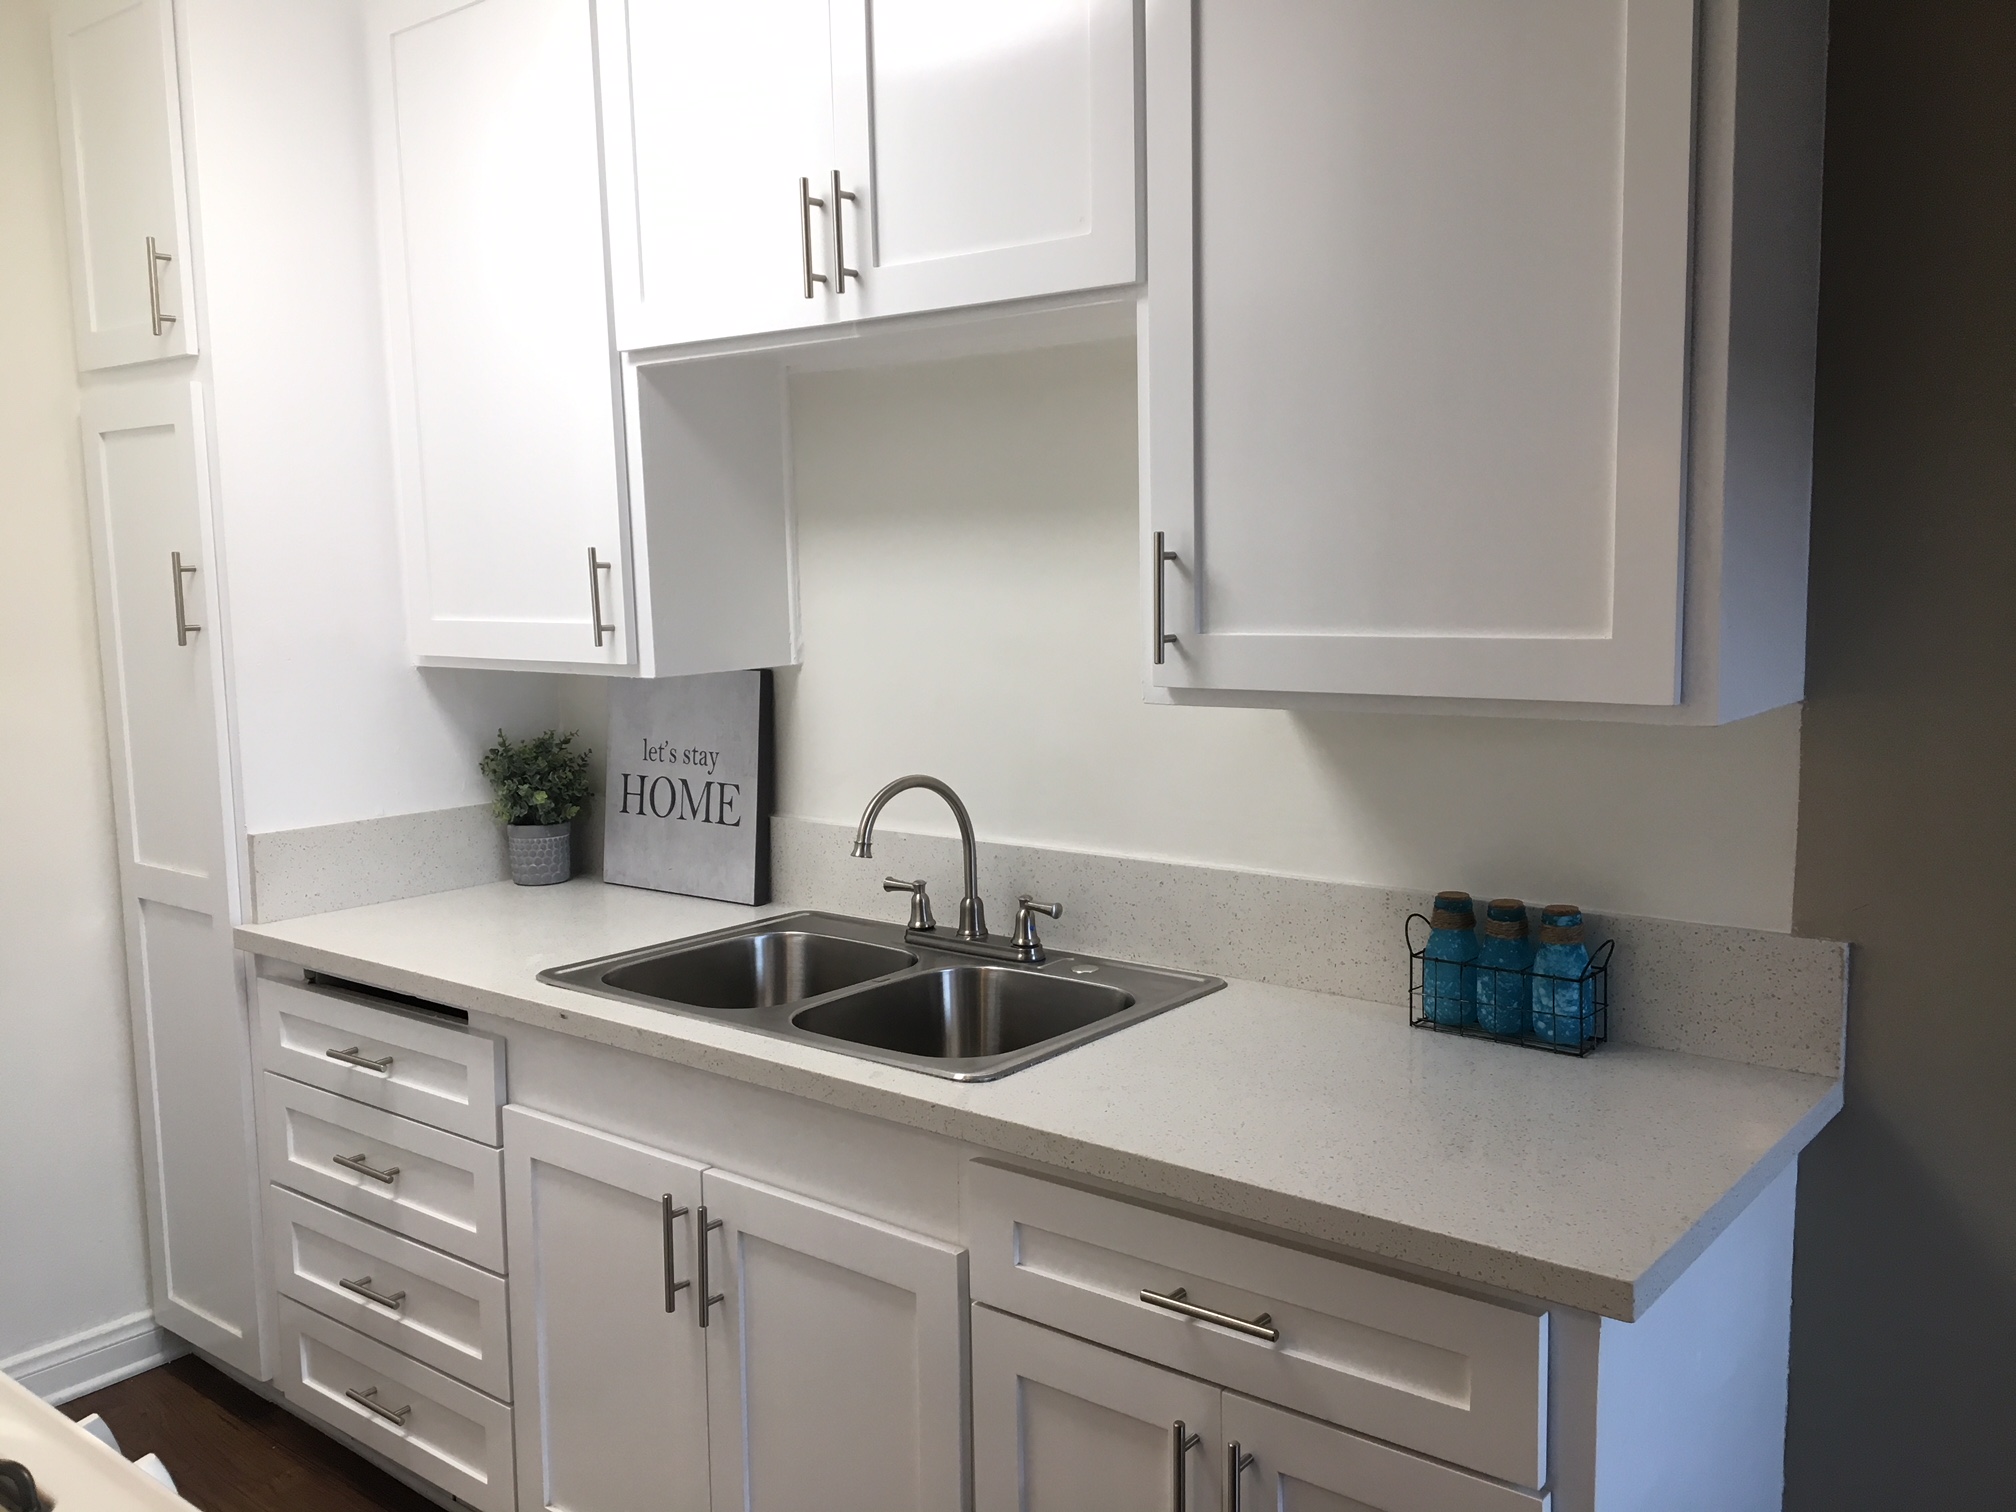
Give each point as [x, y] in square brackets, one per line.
[712, 115]
[608, 1363]
[504, 387]
[1416, 347]
[1060, 1425]
[1289, 1463]
[158, 632]
[119, 130]
[836, 1358]
[992, 149]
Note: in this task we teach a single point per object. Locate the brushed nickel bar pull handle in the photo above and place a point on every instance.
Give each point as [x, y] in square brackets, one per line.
[1259, 1328]
[368, 1400]
[841, 272]
[596, 567]
[1237, 1464]
[707, 1226]
[350, 1057]
[183, 629]
[1162, 639]
[1181, 1442]
[669, 1217]
[805, 204]
[362, 1166]
[155, 258]
[362, 1287]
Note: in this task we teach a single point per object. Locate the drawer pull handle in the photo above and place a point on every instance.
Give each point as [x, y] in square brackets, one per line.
[362, 1287]
[1181, 1442]
[1237, 1463]
[368, 1400]
[669, 1217]
[1175, 1301]
[351, 1057]
[707, 1226]
[362, 1166]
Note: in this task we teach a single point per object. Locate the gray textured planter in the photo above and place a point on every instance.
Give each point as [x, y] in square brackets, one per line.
[541, 854]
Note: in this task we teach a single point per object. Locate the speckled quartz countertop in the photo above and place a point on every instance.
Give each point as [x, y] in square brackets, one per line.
[1589, 1183]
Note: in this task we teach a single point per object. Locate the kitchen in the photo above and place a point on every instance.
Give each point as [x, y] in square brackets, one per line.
[969, 464]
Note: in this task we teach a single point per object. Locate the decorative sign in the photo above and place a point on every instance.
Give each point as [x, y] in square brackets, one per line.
[686, 802]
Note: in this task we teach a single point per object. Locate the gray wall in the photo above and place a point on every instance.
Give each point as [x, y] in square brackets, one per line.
[1904, 1305]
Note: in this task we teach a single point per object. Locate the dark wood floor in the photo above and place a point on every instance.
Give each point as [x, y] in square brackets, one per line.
[232, 1451]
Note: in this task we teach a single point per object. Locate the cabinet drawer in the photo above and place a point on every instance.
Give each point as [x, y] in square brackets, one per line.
[442, 1311]
[448, 1191]
[436, 1072]
[1449, 1375]
[446, 1433]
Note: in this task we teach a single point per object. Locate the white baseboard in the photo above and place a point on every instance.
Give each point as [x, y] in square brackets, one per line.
[94, 1358]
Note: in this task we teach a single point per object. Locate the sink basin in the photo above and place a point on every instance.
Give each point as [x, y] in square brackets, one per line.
[864, 988]
[757, 970]
[959, 1012]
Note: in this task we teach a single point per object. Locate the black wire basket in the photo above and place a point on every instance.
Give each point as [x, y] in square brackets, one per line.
[1567, 1015]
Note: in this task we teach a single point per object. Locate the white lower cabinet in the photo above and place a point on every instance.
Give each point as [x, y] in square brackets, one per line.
[402, 1175]
[1286, 1463]
[1061, 1425]
[609, 1359]
[442, 1311]
[807, 1357]
[836, 1359]
[443, 1431]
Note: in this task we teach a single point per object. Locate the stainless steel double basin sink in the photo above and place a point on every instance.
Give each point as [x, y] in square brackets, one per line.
[865, 989]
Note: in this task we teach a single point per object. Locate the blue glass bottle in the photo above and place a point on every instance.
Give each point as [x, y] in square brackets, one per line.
[1504, 989]
[1448, 975]
[1564, 998]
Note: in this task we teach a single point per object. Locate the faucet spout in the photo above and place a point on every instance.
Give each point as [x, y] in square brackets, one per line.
[972, 915]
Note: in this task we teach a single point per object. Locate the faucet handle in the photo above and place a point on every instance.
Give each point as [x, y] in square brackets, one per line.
[920, 901]
[1026, 909]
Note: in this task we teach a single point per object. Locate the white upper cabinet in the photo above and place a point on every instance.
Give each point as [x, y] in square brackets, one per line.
[718, 122]
[991, 148]
[504, 384]
[781, 164]
[119, 128]
[1416, 359]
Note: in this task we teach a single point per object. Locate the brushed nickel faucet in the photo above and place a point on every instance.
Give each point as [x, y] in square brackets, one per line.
[971, 937]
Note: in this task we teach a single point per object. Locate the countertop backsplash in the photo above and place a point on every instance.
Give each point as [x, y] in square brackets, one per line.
[1747, 995]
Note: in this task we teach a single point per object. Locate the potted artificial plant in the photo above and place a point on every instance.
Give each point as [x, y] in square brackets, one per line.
[541, 785]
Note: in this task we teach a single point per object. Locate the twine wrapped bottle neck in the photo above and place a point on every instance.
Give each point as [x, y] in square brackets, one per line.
[1453, 910]
[1560, 924]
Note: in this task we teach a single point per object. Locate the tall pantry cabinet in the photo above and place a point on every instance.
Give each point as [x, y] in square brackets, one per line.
[161, 642]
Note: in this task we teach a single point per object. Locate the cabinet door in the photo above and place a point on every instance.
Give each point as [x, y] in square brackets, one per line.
[1060, 1425]
[503, 380]
[836, 1359]
[158, 632]
[712, 115]
[608, 1368]
[1300, 1465]
[992, 148]
[119, 128]
[1416, 351]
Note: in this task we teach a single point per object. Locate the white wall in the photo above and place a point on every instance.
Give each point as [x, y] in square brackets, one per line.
[333, 722]
[967, 535]
[69, 1151]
